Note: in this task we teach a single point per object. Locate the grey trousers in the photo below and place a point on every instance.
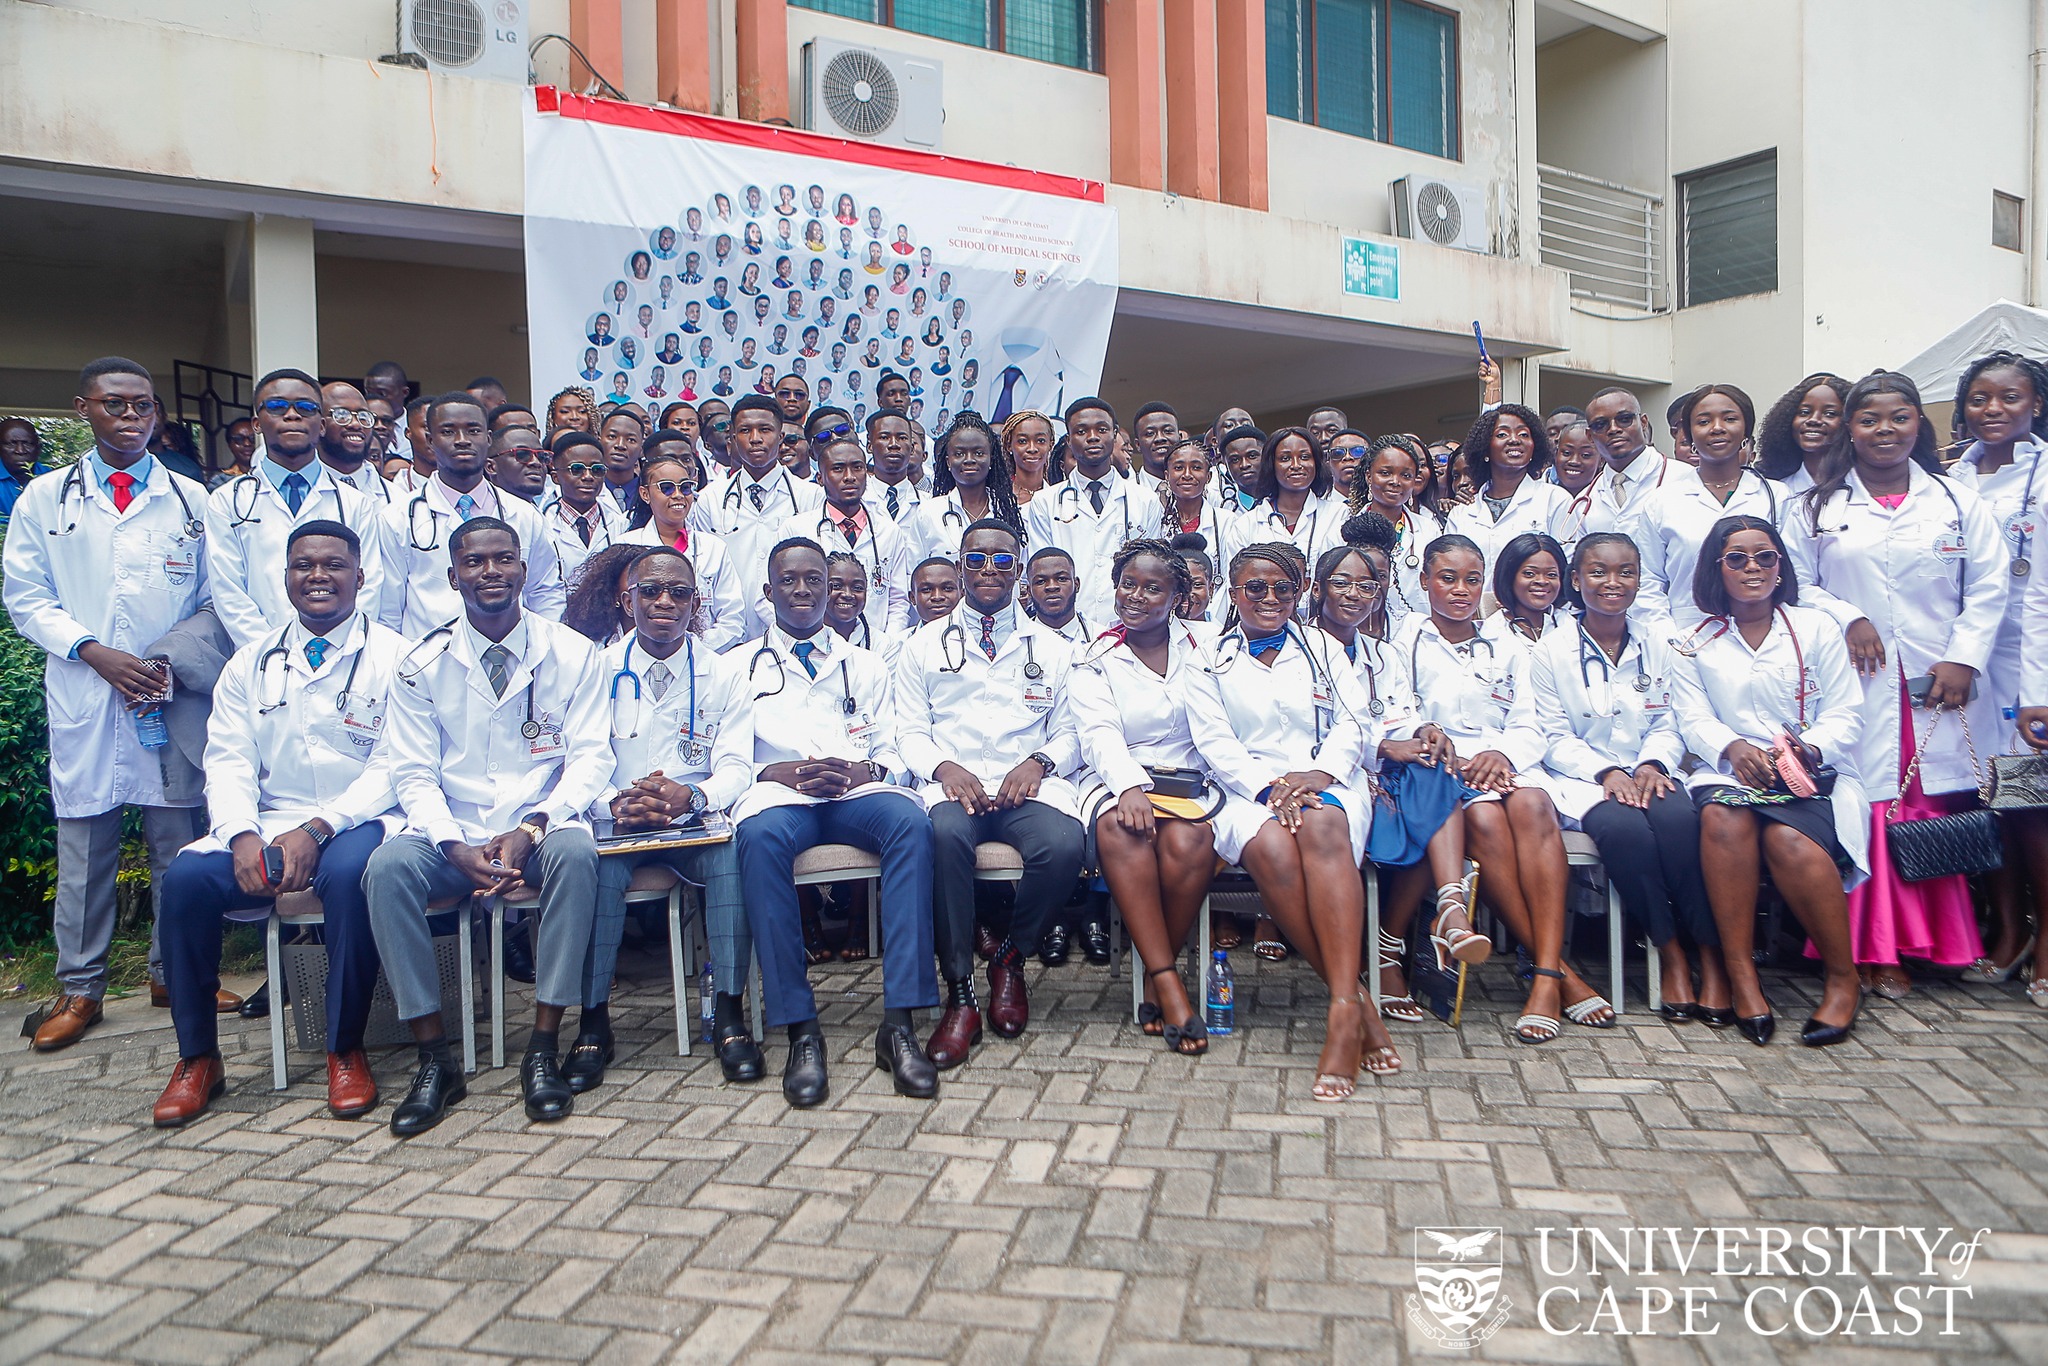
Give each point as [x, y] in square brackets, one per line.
[408, 872]
[715, 868]
[88, 857]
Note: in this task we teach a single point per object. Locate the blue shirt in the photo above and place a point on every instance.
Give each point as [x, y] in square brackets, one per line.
[10, 487]
[103, 472]
[276, 474]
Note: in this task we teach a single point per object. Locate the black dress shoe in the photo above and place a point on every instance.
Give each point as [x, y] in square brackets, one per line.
[547, 1096]
[1818, 1035]
[256, 1005]
[588, 1057]
[1757, 1028]
[1052, 949]
[434, 1089]
[804, 1083]
[1095, 943]
[739, 1057]
[519, 952]
[897, 1053]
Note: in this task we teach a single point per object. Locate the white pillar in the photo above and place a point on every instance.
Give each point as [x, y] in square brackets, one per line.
[284, 314]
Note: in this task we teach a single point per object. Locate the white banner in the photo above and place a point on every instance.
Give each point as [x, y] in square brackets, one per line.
[667, 261]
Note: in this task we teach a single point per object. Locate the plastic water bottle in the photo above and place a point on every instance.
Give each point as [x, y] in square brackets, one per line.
[1221, 1015]
[707, 1013]
[149, 727]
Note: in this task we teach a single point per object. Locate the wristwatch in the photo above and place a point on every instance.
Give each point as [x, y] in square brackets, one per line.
[698, 801]
[533, 832]
[1044, 761]
[312, 830]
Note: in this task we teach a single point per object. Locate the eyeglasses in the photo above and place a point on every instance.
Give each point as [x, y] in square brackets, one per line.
[655, 592]
[825, 436]
[310, 407]
[982, 559]
[1345, 583]
[1739, 560]
[1619, 421]
[122, 407]
[674, 488]
[1258, 589]
[524, 453]
[580, 468]
[352, 417]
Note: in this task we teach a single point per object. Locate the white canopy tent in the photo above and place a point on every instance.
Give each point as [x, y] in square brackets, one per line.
[2004, 326]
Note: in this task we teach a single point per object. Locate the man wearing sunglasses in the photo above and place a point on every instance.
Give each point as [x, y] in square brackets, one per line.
[348, 438]
[793, 396]
[984, 725]
[1634, 471]
[519, 464]
[579, 520]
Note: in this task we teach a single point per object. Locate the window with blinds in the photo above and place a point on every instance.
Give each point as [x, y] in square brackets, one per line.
[1728, 234]
[1064, 32]
[1380, 69]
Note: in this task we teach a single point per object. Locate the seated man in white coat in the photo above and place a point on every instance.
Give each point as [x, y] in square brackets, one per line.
[296, 781]
[498, 748]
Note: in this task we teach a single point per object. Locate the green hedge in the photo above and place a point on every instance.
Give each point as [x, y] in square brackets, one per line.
[28, 829]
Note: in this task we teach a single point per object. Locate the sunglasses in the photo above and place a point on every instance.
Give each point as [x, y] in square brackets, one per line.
[524, 453]
[580, 468]
[310, 407]
[1739, 560]
[674, 488]
[825, 436]
[1258, 589]
[982, 559]
[655, 592]
[1619, 421]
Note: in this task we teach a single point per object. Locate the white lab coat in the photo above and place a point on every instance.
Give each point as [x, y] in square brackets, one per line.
[78, 569]
[1127, 718]
[1061, 515]
[1534, 506]
[936, 529]
[1593, 714]
[799, 717]
[1570, 527]
[247, 525]
[1383, 674]
[2013, 495]
[462, 768]
[1468, 691]
[1320, 527]
[722, 613]
[1405, 593]
[367, 480]
[1902, 570]
[417, 595]
[1254, 723]
[570, 552]
[883, 550]
[954, 704]
[1647, 475]
[908, 496]
[1724, 691]
[285, 745]
[700, 731]
[749, 533]
[1671, 528]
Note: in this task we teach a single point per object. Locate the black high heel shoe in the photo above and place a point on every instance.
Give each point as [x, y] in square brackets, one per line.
[1715, 1017]
[1757, 1028]
[1815, 1034]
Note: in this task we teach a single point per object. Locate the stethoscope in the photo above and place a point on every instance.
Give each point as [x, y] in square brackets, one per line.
[1368, 671]
[194, 528]
[954, 631]
[1962, 546]
[1234, 647]
[1311, 510]
[846, 703]
[411, 667]
[1070, 492]
[828, 528]
[2021, 565]
[248, 516]
[280, 651]
[627, 675]
[1466, 651]
[1586, 642]
[731, 498]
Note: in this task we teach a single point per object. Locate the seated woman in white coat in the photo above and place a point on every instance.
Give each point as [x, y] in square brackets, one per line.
[669, 482]
[1466, 684]
[1528, 582]
[1130, 702]
[1599, 693]
[1766, 695]
[1286, 740]
[1506, 453]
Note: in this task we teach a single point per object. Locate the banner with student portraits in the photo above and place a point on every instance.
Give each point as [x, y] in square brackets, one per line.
[674, 256]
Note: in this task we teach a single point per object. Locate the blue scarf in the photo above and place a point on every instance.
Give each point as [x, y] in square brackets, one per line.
[1259, 645]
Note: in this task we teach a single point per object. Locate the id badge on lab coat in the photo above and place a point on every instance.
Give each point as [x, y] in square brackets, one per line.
[363, 723]
[181, 562]
[860, 731]
[548, 743]
[1038, 695]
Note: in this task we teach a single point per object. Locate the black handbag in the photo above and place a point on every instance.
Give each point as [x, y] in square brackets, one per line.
[1190, 783]
[1967, 842]
[2019, 782]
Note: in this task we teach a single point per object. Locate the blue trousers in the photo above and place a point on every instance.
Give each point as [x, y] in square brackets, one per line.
[715, 868]
[200, 888]
[882, 823]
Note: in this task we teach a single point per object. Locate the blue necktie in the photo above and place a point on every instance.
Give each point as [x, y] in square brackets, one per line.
[465, 507]
[1011, 374]
[316, 650]
[802, 650]
[294, 491]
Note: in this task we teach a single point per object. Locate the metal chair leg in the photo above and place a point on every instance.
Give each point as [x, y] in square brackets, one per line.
[1372, 931]
[467, 950]
[1614, 947]
[274, 957]
[874, 888]
[679, 969]
[497, 914]
[1201, 1002]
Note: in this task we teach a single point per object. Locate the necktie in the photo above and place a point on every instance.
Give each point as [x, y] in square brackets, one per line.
[657, 679]
[851, 528]
[1620, 486]
[1011, 374]
[465, 507]
[294, 492]
[895, 502]
[757, 497]
[802, 650]
[583, 528]
[1095, 495]
[124, 489]
[498, 668]
[316, 650]
[988, 636]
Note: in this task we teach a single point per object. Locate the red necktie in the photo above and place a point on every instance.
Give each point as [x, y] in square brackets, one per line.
[124, 486]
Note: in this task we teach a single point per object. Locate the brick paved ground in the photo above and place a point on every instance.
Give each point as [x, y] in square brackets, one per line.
[1079, 1196]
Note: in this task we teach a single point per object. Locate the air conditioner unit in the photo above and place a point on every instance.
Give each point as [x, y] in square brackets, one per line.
[485, 39]
[876, 96]
[1440, 211]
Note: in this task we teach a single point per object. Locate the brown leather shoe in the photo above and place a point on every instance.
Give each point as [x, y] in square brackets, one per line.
[194, 1082]
[351, 1090]
[225, 1002]
[959, 1030]
[1008, 1010]
[69, 1018]
[985, 941]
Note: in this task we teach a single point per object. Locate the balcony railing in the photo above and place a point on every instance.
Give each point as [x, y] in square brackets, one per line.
[1609, 237]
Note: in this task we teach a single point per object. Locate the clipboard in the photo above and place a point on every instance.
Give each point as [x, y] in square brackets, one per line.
[711, 828]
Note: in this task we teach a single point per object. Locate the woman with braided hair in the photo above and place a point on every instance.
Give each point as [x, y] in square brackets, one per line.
[1799, 429]
[573, 409]
[972, 481]
[1028, 441]
[1130, 701]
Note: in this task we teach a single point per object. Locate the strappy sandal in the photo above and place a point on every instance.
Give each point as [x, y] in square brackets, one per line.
[1224, 933]
[1587, 1012]
[1333, 1087]
[815, 951]
[1535, 1029]
[1403, 1007]
[1457, 943]
[1270, 951]
[2037, 992]
[1378, 1062]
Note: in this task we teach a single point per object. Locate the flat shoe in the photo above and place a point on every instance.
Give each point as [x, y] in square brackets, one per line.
[1330, 1088]
[1270, 950]
[1582, 1012]
[1382, 1062]
[1535, 1029]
